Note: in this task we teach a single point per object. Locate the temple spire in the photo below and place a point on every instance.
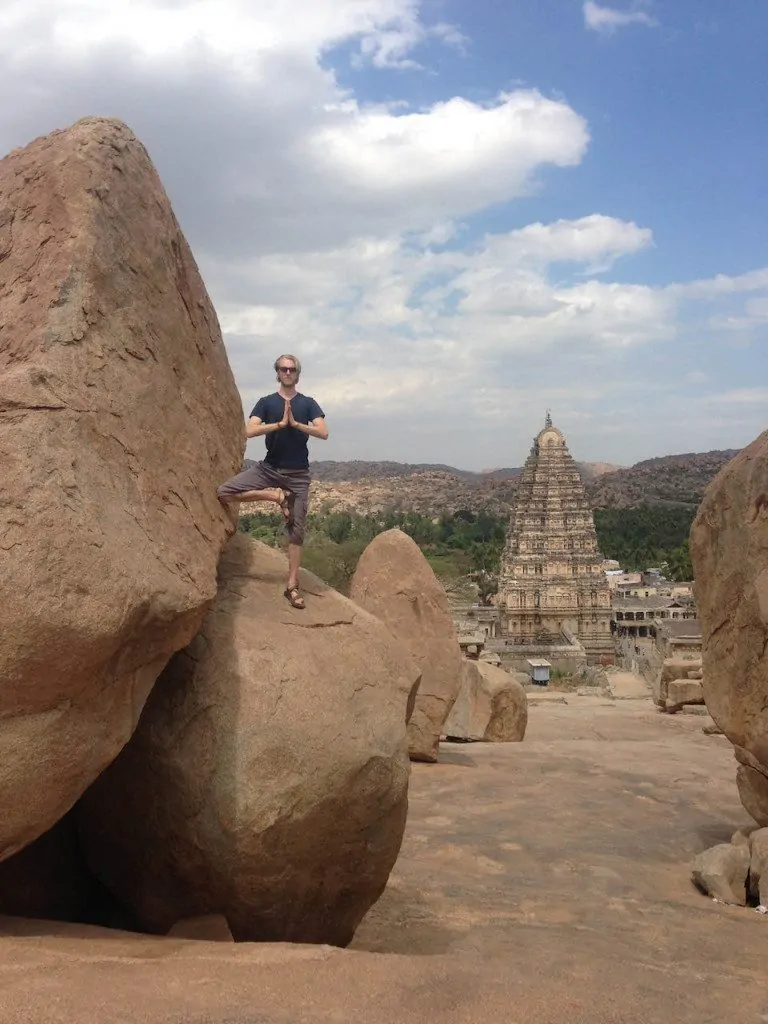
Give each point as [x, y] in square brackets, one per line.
[548, 419]
[551, 579]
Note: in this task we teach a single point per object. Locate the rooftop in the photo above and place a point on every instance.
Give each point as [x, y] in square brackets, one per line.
[659, 601]
[679, 628]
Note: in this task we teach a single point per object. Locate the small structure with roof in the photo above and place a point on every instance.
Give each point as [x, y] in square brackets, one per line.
[538, 670]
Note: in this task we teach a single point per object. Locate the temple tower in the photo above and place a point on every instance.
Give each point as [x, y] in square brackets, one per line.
[551, 576]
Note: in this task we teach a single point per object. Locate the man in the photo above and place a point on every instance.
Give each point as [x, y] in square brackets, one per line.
[286, 420]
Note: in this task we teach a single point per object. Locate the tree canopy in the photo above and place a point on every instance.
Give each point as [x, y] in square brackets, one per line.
[468, 545]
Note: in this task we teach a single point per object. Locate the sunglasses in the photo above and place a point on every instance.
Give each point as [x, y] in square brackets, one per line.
[287, 369]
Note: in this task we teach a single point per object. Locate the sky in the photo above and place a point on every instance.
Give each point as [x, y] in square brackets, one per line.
[458, 215]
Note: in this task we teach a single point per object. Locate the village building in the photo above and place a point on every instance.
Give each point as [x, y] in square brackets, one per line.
[637, 616]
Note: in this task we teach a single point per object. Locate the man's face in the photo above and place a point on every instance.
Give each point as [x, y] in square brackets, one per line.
[286, 372]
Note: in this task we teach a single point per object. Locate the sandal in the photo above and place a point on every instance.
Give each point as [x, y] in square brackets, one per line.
[286, 504]
[294, 598]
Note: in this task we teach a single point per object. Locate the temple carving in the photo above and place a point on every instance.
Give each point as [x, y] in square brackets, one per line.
[551, 581]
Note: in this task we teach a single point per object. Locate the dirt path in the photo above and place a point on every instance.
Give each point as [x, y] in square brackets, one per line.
[627, 685]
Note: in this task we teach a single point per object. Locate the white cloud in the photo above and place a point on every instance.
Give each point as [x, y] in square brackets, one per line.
[696, 377]
[230, 28]
[608, 19]
[343, 230]
[595, 241]
[741, 396]
[435, 156]
[252, 119]
[389, 48]
[722, 285]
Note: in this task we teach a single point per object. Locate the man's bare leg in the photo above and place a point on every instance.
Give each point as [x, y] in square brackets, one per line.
[294, 561]
[276, 494]
[292, 585]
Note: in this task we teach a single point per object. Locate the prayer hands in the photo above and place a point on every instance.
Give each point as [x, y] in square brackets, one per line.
[287, 419]
[291, 420]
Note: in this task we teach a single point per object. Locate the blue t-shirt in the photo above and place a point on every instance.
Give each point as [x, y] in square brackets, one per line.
[287, 448]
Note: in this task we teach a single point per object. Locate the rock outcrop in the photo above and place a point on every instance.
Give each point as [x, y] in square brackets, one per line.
[268, 778]
[118, 417]
[492, 706]
[394, 581]
[729, 549]
[683, 692]
[752, 783]
[721, 871]
[679, 683]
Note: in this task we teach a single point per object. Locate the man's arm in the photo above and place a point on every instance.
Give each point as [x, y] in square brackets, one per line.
[316, 428]
[256, 427]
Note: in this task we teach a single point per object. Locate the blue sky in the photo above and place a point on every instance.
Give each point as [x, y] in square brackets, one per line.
[457, 214]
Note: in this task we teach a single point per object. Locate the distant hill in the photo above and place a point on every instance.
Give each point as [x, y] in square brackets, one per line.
[357, 469]
[670, 480]
[427, 491]
[432, 489]
[334, 472]
[426, 488]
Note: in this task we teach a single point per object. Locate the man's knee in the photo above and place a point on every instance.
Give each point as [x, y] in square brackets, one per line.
[295, 536]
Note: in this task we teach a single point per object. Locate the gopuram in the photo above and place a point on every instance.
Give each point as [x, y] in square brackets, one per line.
[552, 587]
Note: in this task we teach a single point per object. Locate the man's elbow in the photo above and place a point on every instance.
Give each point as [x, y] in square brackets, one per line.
[324, 434]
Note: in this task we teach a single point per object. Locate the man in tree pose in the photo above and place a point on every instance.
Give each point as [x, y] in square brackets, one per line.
[286, 419]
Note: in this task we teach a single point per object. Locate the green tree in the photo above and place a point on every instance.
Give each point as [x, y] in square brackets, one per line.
[339, 527]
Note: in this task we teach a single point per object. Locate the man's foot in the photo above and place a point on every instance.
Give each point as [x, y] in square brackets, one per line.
[285, 499]
[294, 598]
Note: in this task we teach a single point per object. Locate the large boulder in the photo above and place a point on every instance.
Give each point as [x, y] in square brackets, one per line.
[729, 549]
[119, 417]
[268, 778]
[492, 706]
[394, 581]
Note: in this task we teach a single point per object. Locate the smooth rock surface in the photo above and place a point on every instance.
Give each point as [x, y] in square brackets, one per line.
[722, 870]
[491, 706]
[729, 550]
[753, 790]
[394, 581]
[741, 837]
[541, 882]
[268, 778]
[118, 417]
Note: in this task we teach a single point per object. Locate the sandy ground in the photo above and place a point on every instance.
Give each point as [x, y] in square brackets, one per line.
[545, 882]
[627, 684]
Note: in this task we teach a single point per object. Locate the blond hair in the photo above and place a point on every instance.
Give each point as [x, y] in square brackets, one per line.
[287, 355]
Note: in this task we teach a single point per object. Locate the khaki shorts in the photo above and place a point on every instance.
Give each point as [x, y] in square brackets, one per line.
[257, 476]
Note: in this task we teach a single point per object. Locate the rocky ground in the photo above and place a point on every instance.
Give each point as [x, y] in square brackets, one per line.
[544, 882]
